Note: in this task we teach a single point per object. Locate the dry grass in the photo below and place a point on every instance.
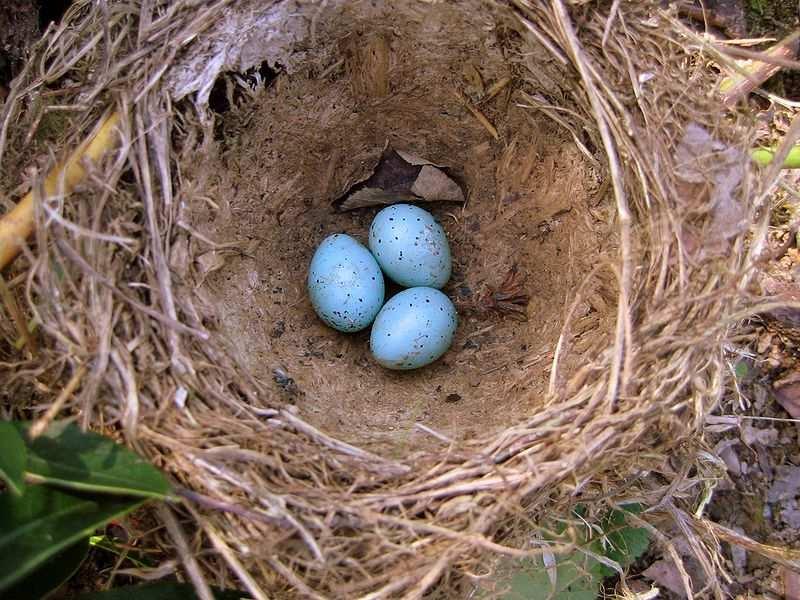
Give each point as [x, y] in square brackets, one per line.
[280, 504]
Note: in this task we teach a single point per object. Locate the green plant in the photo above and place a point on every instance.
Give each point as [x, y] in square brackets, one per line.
[164, 590]
[60, 488]
[765, 156]
[758, 6]
[602, 550]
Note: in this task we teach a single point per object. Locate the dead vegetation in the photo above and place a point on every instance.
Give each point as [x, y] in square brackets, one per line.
[112, 284]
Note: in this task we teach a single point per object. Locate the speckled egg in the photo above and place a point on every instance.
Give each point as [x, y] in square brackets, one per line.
[345, 283]
[410, 246]
[413, 329]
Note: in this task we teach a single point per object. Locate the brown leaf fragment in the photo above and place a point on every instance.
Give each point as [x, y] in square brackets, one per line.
[433, 184]
[665, 574]
[401, 177]
[787, 393]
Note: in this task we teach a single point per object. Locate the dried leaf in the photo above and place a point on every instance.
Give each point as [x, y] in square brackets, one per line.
[549, 560]
[786, 485]
[711, 172]
[787, 393]
[724, 449]
[370, 196]
[753, 435]
[179, 256]
[401, 177]
[433, 184]
[413, 159]
[666, 574]
[788, 318]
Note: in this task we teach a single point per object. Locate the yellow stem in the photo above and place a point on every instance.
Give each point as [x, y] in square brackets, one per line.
[18, 224]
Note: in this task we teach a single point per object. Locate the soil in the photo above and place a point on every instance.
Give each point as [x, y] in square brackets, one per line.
[288, 153]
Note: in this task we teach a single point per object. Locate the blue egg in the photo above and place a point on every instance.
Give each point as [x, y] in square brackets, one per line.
[345, 283]
[410, 246]
[413, 329]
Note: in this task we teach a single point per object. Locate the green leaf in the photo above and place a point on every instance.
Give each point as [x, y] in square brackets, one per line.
[577, 575]
[621, 542]
[52, 575]
[44, 521]
[573, 580]
[66, 456]
[741, 370]
[164, 590]
[13, 456]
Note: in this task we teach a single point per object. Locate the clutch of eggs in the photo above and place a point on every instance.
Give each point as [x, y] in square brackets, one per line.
[346, 287]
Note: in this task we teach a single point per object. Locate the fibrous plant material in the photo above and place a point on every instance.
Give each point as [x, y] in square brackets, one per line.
[621, 358]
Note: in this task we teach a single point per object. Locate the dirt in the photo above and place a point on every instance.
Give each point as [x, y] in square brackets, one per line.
[288, 153]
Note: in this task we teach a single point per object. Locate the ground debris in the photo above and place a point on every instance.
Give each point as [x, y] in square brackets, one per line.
[507, 299]
[783, 494]
[665, 573]
[787, 393]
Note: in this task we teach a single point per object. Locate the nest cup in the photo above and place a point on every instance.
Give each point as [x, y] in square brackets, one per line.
[174, 276]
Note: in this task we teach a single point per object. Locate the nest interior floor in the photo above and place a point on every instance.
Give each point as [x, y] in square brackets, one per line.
[534, 203]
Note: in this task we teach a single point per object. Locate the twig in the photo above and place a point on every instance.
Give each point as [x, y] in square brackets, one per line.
[44, 421]
[17, 316]
[536, 102]
[479, 116]
[751, 76]
[73, 255]
[185, 553]
[233, 562]
[496, 88]
[764, 57]
[612, 15]
[439, 436]
[433, 574]
[235, 509]
[787, 557]
[706, 17]
[375, 461]
[293, 579]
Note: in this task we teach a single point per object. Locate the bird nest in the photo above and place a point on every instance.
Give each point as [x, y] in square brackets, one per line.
[600, 257]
